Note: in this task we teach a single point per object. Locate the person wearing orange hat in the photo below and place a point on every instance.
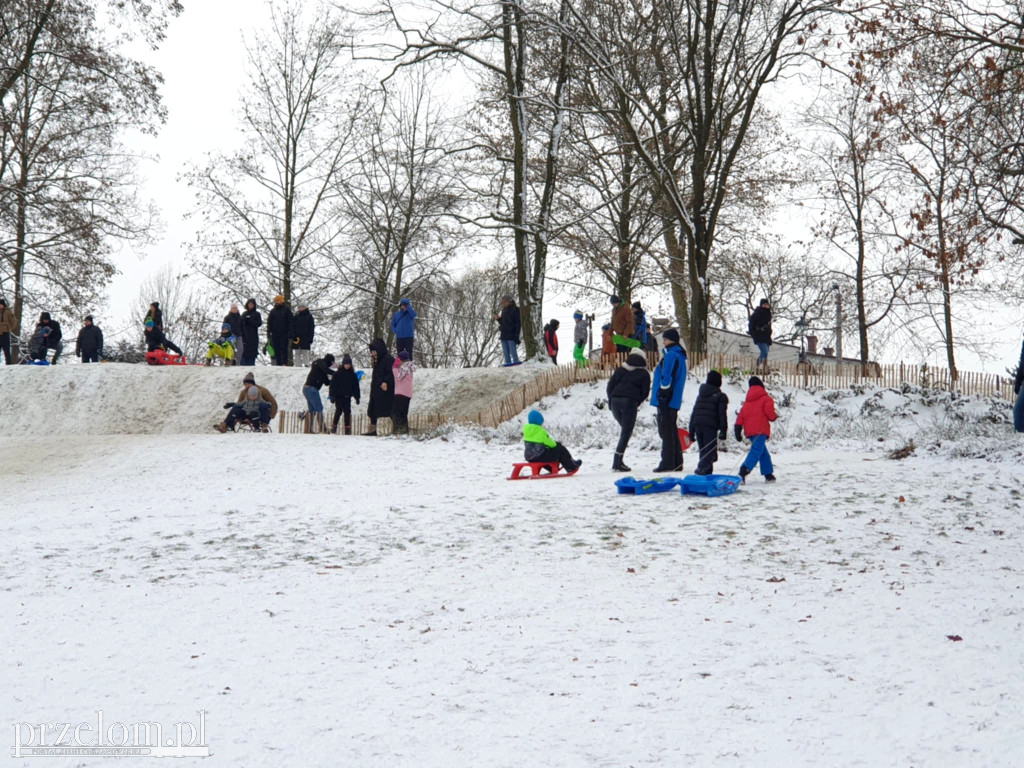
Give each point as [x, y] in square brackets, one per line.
[279, 331]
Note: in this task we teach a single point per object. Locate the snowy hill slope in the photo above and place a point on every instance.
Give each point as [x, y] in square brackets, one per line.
[140, 399]
[861, 418]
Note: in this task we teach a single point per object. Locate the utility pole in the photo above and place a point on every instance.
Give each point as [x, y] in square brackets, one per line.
[839, 325]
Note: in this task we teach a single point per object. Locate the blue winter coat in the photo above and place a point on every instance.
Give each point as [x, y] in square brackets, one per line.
[670, 373]
[403, 323]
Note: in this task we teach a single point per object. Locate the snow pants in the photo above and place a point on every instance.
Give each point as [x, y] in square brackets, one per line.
[759, 455]
[624, 410]
[560, 454]
[707, 444]
[671, 448]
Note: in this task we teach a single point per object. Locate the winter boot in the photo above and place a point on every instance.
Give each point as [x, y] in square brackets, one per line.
[264, 427]
[618, 465]
[743, 473]
[222, 427]
[769, 478]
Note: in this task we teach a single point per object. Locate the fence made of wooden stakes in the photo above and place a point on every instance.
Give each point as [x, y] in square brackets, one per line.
[556, 378]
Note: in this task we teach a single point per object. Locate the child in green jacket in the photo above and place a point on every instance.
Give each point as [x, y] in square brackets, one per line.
[541, 447]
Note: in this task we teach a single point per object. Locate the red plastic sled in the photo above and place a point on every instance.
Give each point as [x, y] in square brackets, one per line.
[163, 357]
[685, 439]
[535, 470]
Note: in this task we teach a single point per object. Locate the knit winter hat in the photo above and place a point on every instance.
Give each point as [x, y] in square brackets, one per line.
[507, 297]
[346, 360]
[329, 358]
[636, 360]
[636, 305]
[225, 326]
[149, 324]
[252, 393]
[249, 379]
[279, 299]
[535, 417]
[578, 314]
[89, 318]
[406, 302]
[606, 327]
[671, 335]
[616, 300]
[754, 381]
[404, 355]
[715, 378]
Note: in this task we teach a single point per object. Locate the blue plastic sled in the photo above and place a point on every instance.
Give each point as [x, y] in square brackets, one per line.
[710, 485]
[37, 362]
[640, 487]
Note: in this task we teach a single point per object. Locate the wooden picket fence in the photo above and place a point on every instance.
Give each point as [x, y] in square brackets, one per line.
[827, 375]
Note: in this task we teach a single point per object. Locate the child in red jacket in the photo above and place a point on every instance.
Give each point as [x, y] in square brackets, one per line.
[755, 419]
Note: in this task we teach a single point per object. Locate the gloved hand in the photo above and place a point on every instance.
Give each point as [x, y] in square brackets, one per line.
[228, 406]
[738, 431]
[723, 435]
[664, 396]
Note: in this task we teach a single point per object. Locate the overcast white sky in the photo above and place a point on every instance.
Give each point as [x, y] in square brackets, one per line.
[202, 62]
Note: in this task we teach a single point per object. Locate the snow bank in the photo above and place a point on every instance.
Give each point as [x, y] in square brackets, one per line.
[119, 398]
[858, 418]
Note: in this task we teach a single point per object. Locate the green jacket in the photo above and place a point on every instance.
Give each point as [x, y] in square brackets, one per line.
[535, 433]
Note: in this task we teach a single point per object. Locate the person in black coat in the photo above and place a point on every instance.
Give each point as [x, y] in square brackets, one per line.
[89, 346]
[279, 330]
[628, 387]
[156, 315]
[382, 385]
[53, 338]
[344, 388]
[303, 327]
[709, 421]
[760, 329]
[251, 322]
[510, 323]
[234, 319]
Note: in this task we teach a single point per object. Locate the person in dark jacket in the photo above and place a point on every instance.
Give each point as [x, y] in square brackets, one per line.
[382, 385]
[8, 326]
[641, 332]
[709, 421]
[155, 339]
[343, 390]
[510, 323]
[319, 374]
[403, 326]
[89, 345]
[760, 328]
[234, 319]
[303, 327]
[551, 340]
[53, 337]
[667, 396]
[156, 315]
[251, 322]
[279, 331]
[1018, 390]
[628, 387]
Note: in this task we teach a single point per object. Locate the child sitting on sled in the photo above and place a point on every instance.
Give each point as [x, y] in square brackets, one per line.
[223, 346]
[541, 447]
[755, 418]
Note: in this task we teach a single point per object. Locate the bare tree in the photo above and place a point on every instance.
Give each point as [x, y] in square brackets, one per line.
[67, 186]
[695, 72]
[457, 328]
[501, 40]
[399, 199]
[858, 221]
[267, 212]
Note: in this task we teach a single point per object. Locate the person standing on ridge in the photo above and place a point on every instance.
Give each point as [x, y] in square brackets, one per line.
[403, 326]
[510, 323]
[89, 345]
[622, 325]
[279, 331]
[303, 326]
[759, 326]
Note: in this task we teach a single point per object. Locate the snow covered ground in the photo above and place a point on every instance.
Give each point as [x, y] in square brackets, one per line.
[397, 602]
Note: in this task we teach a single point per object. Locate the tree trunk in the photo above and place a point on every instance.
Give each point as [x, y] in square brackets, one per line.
[947, 317]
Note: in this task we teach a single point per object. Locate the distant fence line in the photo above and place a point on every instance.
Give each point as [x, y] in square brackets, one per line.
[798, 375]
